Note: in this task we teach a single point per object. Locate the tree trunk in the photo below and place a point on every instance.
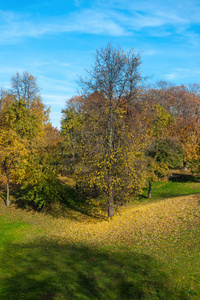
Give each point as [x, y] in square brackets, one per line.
[111, 207]
[95, 191]
[110, 181]
[7, 171]
[8, 194]
[111, 198]
[73, 162]
[184, 166]
[149, 190]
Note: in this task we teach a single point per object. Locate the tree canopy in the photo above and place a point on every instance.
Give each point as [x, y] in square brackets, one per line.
[117, 136]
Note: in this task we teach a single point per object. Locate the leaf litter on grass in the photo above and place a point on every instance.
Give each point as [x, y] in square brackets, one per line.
[135, 222]
[160, 229]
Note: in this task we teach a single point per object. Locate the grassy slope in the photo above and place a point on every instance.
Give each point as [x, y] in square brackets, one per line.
[180, 185]
[150, 251]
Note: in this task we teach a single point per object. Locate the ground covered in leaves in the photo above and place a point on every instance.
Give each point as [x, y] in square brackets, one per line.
[147, 251]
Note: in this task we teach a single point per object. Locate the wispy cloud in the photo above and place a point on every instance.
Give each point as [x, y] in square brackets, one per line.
[181, 73]
[150, 52]
[177, 11]
[103, 18]
[142, 20]
[167, 33]
[164, 16]
[171, 76]
[78, 2]
[52, 99]
[58, 85]
[14, 26]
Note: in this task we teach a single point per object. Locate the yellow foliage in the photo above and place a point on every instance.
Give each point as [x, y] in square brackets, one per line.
[13, 153]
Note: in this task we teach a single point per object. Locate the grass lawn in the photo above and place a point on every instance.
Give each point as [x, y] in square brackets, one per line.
[149, 251]
[179, 185]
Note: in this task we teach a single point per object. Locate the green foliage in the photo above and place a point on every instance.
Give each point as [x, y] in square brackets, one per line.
[41, 193]
[27, 144]
[70, 122]
[167, 150]
[13, 155]
[70, 131]
[162, 120]
[157, 171]
[20, 119]
[40, 184]
[162, 154]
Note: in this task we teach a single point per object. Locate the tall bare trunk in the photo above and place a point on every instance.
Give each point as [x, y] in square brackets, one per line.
[149, 190]
[7, 168]
[8, 194]
[111, 198]
[110, 179]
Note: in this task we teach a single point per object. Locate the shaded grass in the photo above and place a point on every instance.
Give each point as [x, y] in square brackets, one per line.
[75, 204]
[45, 269]
[71, 202]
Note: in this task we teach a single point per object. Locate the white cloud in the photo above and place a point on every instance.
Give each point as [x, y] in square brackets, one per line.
[171, 76]
[59, 85]
[78, 3]
[181, 73]
[55, 99]
[111, 18]
[150, 52]
[145, 14]
[15, 26]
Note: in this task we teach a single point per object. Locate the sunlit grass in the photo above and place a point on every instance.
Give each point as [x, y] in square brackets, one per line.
[181, 185]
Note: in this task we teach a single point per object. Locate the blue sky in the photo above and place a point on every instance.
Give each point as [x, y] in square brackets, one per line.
[55, 40]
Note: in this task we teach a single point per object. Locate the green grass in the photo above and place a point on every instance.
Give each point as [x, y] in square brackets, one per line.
[181, 185]
[10, 231]
[180, 255]
[44, 267]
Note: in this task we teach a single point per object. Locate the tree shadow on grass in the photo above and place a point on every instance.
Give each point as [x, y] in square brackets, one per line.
[178, 177]
[174, 189]
[69, 200]
[47, 269]
[3, 192]
[78, 201]
[3, 196]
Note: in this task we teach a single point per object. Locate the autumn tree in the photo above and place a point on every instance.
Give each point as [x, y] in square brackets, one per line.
[24, 86]
[71, 124]
[18, 125]
[40, 184]
[13, 154]
[183, 104]
[108, 95]
[28, 142]
[156, 172]
[21, 119]
[157, 155]
[187, 116]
